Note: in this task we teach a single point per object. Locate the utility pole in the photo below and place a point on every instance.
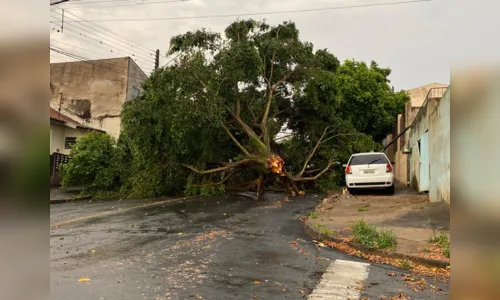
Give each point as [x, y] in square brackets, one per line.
[157, 59]
[58, 2]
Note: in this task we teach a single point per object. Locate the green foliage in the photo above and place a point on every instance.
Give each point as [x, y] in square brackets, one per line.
[207, 189]
[405, 264]
[446, 252]
[387, 240]
[366, 99]
[179, 120]
[369, 237]
[362, 209]
[326, 231]
[92, 154]
[314, 215]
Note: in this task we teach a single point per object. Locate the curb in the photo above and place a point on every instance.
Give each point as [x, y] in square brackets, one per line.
[66, 200]
[314, 234]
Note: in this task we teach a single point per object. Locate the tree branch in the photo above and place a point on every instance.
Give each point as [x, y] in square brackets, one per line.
[313, 151]
[224, 179]
[226, 167]
[238, 107]
[340, 134]
[251, 134]
[236, 141]
[300, 178]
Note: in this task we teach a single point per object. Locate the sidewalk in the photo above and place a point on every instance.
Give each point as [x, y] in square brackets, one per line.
[407, 214]
[61, 195]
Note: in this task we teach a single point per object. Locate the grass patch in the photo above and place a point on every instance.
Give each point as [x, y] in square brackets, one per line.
[405, 264]
[362, 209]
[316, 226]
[326, 231]
[443, 242]
[371, 238]
[314, 215]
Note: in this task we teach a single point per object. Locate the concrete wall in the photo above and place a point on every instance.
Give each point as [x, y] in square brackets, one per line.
[95, 91]
[402, 161]
[418, 95]
[419, 127]
[58, 134]
[439, 139]
[135, 79]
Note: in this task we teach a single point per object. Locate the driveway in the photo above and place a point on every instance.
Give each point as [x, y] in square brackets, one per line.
[229, 247]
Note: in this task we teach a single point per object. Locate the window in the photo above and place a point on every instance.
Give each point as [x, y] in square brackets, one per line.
[135, 92]
[368, 159]
[69, 142]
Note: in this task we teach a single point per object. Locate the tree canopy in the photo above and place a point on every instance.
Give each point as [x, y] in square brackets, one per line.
[253, 107]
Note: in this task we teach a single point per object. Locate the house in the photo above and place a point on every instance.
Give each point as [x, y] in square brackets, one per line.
[93, 92]
[420, 142]
[397, 152]
[64, 131]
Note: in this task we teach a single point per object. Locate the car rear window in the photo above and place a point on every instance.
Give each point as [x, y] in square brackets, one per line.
[368, 159]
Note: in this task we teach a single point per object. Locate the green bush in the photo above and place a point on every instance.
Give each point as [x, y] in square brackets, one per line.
[314, 215]
[369, 237]
[92, 153]
[205, 189]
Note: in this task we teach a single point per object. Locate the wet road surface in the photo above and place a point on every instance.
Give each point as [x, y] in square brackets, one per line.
[229, 247]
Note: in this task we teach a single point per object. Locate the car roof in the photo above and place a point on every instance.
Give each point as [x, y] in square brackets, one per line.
[367, 153]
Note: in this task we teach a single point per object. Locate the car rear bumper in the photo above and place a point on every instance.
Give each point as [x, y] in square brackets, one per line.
[360, 182]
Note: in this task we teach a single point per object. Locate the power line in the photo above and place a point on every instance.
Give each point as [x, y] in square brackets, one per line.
[171, 60]
[114, 41]
[109, 31]
[120, 50]
[262, 13]
[107, 5]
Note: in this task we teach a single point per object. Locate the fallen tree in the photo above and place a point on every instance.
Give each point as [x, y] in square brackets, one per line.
[255, 108]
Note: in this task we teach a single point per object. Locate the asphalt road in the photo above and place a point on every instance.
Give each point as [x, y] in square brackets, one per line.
[212, 248]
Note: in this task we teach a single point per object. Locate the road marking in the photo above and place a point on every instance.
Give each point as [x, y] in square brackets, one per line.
[339, 282]
[117, 211]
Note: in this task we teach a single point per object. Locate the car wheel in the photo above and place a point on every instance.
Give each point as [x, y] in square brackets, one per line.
[391, 190]
[351, 191]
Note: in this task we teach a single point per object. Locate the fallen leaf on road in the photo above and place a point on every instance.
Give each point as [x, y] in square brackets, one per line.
[302, 292]
[84, 279]
[400, 296]
[392, 274]
[255, 296]
[256, 282]
[120, 281]
[61, 238]
[92, 251]
[284, 290]
[180, 233]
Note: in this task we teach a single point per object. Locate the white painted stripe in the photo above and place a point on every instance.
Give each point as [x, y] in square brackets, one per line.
[339, 281]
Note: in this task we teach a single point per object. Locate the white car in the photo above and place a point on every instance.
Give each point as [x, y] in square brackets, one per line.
[369, 171]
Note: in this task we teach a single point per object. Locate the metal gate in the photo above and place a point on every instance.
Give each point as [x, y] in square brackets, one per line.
[424, 163]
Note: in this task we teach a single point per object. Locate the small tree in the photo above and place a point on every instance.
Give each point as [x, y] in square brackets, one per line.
[91, 154]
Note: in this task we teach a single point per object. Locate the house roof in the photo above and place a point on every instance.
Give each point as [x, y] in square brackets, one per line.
[61, 117]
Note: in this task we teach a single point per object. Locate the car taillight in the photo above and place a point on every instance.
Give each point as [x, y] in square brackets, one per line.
[389, 168]
[348, 170]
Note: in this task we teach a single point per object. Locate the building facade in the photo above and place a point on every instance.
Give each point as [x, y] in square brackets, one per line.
[93, 92]
[399, 150]
[422, 153]
[64, 131]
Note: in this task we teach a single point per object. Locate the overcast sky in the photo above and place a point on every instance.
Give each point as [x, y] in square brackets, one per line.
[411, 39]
